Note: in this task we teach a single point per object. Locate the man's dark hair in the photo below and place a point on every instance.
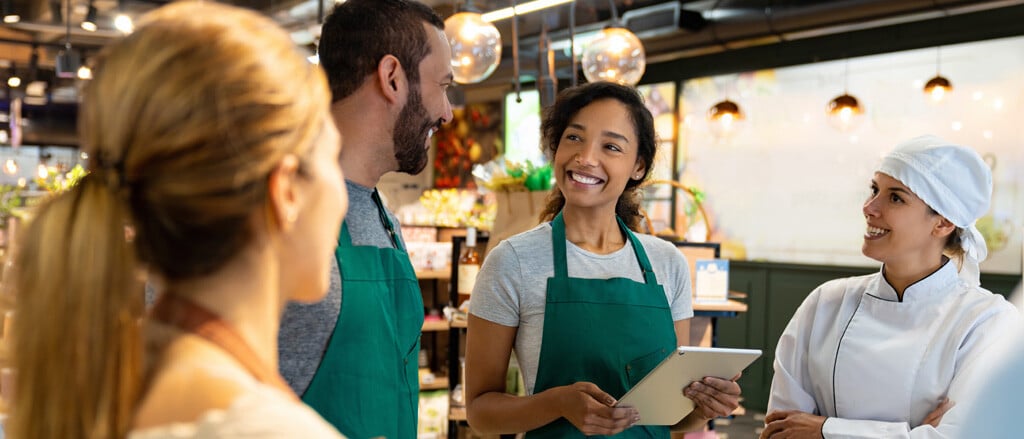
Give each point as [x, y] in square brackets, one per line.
[359, 33]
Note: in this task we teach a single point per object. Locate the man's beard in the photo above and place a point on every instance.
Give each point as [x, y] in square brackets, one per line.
[411, 130]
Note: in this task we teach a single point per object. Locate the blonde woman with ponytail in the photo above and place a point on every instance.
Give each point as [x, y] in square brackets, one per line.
[214, 169]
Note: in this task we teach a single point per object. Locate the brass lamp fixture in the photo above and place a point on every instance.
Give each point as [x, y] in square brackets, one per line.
[725, 118]
[844, 111]
[476, 45]
[938, 87]
[615, 54]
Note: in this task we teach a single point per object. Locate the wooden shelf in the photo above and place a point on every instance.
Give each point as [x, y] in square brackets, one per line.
[459, 324]
[435, 325]
[433, 274]
[439, 383]
[729, 306]
[457, 413]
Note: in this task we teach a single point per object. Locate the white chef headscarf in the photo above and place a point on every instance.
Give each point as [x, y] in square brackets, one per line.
[951, 179]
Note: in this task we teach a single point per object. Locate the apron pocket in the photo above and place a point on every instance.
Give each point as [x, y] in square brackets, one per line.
[639, 367]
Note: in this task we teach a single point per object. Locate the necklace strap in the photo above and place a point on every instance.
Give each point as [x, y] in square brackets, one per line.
[192, 318]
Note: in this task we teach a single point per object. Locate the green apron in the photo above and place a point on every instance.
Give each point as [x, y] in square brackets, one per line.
[610, 332]
[367, 384]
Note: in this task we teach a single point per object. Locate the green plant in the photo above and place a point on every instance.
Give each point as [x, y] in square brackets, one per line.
[10, 200]
[57, 182]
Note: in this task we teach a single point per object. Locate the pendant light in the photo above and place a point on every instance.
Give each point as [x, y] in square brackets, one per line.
[476, 45]
[123, 21]
[13, 80]
[89, 23]
[725, 118]
[615, 54]
[844, 111]
[938, 87]
[10, 16]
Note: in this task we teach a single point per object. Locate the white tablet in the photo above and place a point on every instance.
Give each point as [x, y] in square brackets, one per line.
[659, 395]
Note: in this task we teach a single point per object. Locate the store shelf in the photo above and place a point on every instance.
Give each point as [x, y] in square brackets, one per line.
[727, 306]
[435, 325]
[457, 414]
[433, 274]
[439, 383]
[459, 324]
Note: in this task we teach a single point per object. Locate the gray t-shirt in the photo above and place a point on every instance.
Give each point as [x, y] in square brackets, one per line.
[511, 288]
[306, 328]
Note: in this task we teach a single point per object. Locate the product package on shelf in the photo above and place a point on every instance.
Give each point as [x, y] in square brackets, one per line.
[429, 256]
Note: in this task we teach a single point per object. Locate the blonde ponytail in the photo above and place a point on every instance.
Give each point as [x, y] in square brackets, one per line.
[184, 121]
[77, 341]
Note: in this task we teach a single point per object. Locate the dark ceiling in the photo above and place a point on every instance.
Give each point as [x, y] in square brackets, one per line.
[706, 25]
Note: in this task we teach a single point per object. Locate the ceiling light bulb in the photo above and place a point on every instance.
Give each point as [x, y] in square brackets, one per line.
[615, 55]
[84, 72]
[844, 112]
[10, 167]
[89, 23]
[476, 47]
[42, 171]
[725, 119]
[9, 12]
[937, 88]
[124, 24]
[14, 82]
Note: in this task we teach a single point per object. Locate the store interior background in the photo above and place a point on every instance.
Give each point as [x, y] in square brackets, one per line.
[783, 190]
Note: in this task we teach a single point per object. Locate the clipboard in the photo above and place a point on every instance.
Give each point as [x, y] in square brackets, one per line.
[659, 395]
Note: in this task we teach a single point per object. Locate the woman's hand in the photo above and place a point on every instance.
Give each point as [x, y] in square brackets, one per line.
[936, 415]
[786, 424]
[714, 397]
[591, 410]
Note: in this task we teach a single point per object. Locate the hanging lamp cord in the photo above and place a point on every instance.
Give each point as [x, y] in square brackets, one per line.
[572, 40]
[515, 52]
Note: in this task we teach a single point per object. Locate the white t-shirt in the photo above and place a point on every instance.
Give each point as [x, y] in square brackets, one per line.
[511, 289]
[259, 412]
[875, 366]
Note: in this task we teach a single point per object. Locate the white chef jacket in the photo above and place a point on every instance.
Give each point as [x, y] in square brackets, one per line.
[876, 366]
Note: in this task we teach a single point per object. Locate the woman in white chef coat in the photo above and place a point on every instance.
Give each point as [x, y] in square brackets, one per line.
[889, 354]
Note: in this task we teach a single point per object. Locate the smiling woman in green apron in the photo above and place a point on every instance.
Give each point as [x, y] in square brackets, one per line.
[588, 306]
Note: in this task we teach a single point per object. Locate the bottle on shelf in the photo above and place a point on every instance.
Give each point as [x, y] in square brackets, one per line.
[469, 264]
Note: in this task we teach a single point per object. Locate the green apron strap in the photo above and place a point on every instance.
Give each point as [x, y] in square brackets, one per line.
[345, 238]
[641, 255]
[558, 241]
[386, 221]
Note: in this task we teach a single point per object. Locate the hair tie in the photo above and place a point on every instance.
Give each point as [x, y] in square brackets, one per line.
[111, 172]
